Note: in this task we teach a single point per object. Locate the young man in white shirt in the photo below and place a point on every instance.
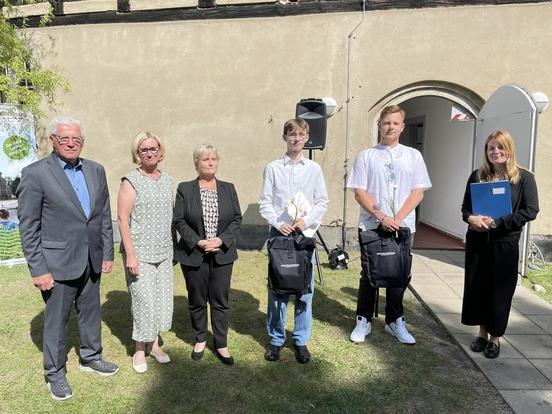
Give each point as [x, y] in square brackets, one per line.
[389, 181]
[283, 180]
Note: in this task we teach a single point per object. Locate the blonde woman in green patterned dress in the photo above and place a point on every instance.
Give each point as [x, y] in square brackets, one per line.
[144, 214]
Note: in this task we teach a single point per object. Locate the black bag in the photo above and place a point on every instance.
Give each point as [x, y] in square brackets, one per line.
[338, 258]
[289, 264]
[386, 257]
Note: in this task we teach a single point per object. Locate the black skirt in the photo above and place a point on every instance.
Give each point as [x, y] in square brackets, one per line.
[491, 273]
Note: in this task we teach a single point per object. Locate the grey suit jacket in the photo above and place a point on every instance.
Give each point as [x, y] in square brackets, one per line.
[56, 235]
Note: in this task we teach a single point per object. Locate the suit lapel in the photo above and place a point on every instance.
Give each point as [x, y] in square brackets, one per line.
[196, 201]
[221, 207]
[91, 183]
[63, 181]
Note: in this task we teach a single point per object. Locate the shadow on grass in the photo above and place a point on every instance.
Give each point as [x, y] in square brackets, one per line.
[350, 291]
[182, 326]
[257, 386]
[116, 315]
[245, 316]
[331, 311]
[379, 375]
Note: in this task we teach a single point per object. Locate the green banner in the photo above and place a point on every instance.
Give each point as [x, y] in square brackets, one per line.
[17, 149]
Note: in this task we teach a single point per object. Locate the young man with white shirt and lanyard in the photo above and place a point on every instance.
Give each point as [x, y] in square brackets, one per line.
[389, 181]
[284, 179]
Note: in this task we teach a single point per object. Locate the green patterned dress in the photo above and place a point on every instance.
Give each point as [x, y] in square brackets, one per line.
[151, 292]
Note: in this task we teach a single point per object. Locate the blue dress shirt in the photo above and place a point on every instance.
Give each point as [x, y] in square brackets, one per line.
[76, 178]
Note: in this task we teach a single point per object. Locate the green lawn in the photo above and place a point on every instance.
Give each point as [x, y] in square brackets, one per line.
[543, 278]
[378, 376]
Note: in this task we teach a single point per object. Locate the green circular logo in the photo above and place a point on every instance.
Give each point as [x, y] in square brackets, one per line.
[16, 147]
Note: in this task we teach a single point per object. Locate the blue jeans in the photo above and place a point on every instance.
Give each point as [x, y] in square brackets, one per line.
[277, 312]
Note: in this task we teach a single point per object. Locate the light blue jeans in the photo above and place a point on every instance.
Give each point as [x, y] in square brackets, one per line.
[277, 312]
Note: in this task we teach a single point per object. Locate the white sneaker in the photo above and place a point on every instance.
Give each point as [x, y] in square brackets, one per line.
[362, 328]
[398, 330]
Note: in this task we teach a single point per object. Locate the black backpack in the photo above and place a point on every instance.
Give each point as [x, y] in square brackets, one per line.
[386, 257]
[289, 264]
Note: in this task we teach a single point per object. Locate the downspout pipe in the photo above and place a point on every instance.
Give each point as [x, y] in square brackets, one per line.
[348, 126]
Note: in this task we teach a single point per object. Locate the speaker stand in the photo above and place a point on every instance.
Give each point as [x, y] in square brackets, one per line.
[322, 243]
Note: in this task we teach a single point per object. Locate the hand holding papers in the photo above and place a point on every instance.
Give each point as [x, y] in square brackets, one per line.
[297, 208]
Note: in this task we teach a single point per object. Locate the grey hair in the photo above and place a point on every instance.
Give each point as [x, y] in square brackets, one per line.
[64, 120]
[202, 149]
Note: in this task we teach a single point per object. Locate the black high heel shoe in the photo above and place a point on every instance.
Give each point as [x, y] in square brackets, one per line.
[196, 356]
[225, 360]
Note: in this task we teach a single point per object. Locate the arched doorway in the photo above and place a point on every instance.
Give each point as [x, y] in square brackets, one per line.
[447, 147]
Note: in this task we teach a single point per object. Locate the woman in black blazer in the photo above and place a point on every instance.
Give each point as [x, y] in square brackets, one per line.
[492, 245]
[208, 217]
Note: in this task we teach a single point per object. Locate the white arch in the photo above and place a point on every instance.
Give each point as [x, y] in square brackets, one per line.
[458, 94]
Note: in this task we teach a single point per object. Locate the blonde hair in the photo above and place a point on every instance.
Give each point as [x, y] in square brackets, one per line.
[486, 171]
[391, 109]
[141, 137]
[296, 124]
[204, 149]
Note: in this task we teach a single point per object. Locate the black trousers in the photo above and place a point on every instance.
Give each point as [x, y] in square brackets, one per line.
[210, 283]
[490, 281]
[366, 302]
[84, 293]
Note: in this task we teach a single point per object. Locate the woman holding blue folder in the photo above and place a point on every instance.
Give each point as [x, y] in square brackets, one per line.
[492, 250]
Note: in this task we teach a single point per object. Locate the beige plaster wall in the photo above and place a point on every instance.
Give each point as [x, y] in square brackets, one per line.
[234, 82]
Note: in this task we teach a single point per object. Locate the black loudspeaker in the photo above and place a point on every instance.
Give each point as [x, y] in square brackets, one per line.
[314, 112]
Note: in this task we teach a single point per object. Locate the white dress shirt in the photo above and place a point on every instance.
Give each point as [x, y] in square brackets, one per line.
[282, 180]
[389, 175]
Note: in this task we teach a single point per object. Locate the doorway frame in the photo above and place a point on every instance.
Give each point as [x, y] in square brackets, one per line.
[458, 94]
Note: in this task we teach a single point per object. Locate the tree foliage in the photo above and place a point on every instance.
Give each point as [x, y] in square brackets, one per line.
[22, 79]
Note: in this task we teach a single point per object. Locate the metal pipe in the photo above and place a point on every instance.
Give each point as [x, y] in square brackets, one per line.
[347, 128]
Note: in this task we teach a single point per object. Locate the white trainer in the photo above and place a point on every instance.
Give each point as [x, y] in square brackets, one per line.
[398, 330]
[362, 328]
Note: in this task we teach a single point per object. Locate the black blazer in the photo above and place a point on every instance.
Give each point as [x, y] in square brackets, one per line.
[525, 206]
[188, 218]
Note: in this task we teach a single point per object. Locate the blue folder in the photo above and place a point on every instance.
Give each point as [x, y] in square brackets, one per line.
[491, 198]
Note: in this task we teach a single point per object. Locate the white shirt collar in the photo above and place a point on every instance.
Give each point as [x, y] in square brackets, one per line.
[388, 148]
[288, 160]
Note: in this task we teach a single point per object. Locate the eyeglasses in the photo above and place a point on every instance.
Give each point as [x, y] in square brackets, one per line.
[144, 151]
[292, 137]
[65, 140]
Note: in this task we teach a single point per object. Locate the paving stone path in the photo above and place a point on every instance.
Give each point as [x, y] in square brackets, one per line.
[523, 371]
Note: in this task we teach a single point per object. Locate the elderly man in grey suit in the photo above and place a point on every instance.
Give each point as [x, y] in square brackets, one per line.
[67, 235]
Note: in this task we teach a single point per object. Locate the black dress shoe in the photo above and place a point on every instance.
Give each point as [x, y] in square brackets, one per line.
[225, 360]
[302, 354]
[196, 356]
[492, 350]
[273, 353]
[479, 344]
